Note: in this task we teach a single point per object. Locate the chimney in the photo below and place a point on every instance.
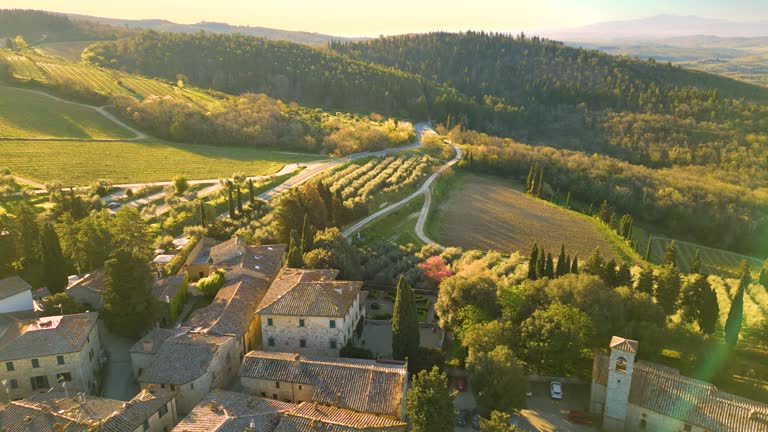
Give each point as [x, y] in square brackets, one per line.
[148, 344]
[297, 360]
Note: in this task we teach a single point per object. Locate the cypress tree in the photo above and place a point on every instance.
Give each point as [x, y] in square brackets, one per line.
[239, 201]
[251, 195]
[668, 289]
[295, 254]
[405, 323]
[541, 264]
[230, 202]
[561, 268]
[532, 262]
[567, 264]
[696, 263]
[550, 267]
[736, 314]
[764, 274]
[530, 178]
[202, 213]
[645, 281]
[54, 264]
[670, 257]
[648, 249]
[710, 309]
[575, 265]
[568, 200]
[307, 235]
[541, 182]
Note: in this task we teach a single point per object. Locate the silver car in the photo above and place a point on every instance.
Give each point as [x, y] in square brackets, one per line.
[556, 390]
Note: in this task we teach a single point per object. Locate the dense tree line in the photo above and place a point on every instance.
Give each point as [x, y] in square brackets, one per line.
[32, 24]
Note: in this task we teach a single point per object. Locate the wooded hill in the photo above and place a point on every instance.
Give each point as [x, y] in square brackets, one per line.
[38, 26]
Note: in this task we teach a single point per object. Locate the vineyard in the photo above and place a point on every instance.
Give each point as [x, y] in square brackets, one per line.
[716, 260]
[101, 81]
[357, 184]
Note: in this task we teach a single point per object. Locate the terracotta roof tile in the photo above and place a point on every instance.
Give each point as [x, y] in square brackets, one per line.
[46, 336]
[309, 293]
[182, 359]
[306, 417]
[226, 411]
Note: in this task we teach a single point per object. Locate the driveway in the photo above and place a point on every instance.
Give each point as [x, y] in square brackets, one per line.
[118, 382]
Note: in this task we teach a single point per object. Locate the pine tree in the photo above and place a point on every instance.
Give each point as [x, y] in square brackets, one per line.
[575, 265]
[645, 281]
[561, 268]
[295, 254]
[736, 314]
[550, 267]
[696, 263]
[670, 257]
[54, 264]
[532, 275]
[202, 214]
[405, 323]
[251, 195]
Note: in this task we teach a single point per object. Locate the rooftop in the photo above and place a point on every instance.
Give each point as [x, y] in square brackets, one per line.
[232, 311]
[12, 285]
[307, 416]
[626, 345]
[226, 411]
[47, 412]
[24, 337]
[168, 286]
[663, 390]
[309, 293]
[182, 359]
[258, 260]
[369, 386]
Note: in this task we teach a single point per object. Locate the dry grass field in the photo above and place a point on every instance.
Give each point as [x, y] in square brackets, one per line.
[488, 213]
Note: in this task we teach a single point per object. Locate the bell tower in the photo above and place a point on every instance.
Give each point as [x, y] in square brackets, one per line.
[620, 366]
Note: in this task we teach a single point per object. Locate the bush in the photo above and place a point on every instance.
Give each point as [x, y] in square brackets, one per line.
[382, 316]
[211, 284]
[351, 351]
[175, 264]
[425, 359]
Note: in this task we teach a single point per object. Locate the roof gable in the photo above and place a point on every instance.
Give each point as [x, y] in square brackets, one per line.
[13, 285]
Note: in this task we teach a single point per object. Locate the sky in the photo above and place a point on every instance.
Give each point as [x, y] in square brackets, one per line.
[367, 18]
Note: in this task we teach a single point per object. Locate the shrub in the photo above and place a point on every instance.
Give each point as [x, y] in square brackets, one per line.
[211, 284]
[175, 264]
[351, 351]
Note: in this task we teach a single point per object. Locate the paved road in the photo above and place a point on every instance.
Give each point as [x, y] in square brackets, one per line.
[424, 189]
[118, 383]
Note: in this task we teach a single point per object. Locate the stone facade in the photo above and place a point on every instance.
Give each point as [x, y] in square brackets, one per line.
[621, 363]
[278, 390]
[38, 374]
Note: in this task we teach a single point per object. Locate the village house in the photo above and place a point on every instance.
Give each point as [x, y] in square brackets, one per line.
[89, 290]
[152, 410]
[377, 387]
[309, 311]
[38, 354]
[15, 295]
[228, 411]
[643, 396]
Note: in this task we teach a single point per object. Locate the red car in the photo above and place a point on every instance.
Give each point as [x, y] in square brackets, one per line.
[579, 417]
[461, 384]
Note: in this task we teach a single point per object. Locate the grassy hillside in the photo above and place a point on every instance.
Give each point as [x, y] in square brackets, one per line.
[24, 114]
[489, 213]
[71, 51]
[80, 163]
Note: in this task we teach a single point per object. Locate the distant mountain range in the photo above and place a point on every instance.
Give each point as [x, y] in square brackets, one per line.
[660, 26]
[215, 27]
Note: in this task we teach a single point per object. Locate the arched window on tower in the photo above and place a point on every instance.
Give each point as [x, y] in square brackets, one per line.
[621, 365]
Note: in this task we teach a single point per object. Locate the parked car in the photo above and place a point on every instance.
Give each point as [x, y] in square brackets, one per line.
[476, 422]
[556, 390]
[461, 419]
[113, 205]
[461, 384]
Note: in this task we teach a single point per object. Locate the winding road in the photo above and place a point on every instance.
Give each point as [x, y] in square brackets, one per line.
[424, 189]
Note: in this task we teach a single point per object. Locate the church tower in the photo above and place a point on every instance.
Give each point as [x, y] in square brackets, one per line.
[620, 366]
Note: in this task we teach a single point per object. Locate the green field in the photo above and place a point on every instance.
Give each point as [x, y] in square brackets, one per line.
[24, 114]
[79, 163]
[398, 227]
[66, 50]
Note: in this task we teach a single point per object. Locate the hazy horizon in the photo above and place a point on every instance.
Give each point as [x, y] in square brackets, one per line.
[351, 18]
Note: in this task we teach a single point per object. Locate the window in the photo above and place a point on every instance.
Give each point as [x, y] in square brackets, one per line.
[301, 322]
[299, 386]
[271, 341]
[163, 411]
[333, 344]
[90, 354]
[9, 366]
[173, 387]
[303, 343]
[277, 384]
[621, 365]
[333, 323]
[191, 386]
[274, 396]
[66, 376]
[269, 322]
[13, 383]
[39, 382]
[263, 394]
[146, 425]
[35, 363]
[59, 360]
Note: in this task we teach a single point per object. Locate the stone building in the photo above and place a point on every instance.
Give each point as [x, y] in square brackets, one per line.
[152, 410]
[15, 295]
[635, 395]
[89, 290]
[309, 311]
[233, 254]
[38, 354]
[375, 387]
[228, 411]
